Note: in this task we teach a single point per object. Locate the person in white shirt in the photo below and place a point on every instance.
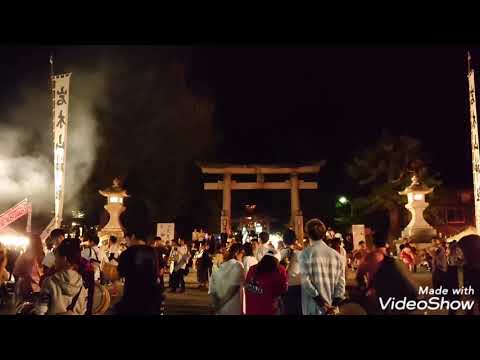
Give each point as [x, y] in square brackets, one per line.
[264, 245]
[323, 273]
[181, 258]
[63, 293]
[248, 259]
[95, 255]
[56, 236]
[226, 287]
[292, 300]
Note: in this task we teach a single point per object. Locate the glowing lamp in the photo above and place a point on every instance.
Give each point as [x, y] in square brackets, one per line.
[115, 200]
[418, 197]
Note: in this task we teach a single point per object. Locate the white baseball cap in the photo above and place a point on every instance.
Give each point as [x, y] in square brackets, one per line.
[274, 253]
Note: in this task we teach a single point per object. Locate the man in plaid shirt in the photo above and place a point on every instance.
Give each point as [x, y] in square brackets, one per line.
[322, 271]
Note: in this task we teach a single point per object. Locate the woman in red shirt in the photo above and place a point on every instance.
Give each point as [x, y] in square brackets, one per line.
[265, 283]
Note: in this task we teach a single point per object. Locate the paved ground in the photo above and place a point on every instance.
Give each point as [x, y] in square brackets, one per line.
[193, 301]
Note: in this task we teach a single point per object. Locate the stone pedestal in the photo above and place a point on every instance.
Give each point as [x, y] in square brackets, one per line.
[114, 226]
[418, 229]
[115, 195]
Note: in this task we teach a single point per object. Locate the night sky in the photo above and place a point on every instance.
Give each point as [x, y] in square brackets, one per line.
[284, 105]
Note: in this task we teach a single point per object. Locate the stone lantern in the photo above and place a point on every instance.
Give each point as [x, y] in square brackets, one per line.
[115, 195]
[419, 230]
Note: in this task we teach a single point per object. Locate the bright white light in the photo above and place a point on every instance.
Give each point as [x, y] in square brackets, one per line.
[343, 200]
[258, 228]
[115, 199]
[418, 197]
[74, 223]
[14, 241]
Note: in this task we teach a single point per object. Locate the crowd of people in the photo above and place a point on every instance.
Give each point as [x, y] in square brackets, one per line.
[256, 278]
[295, 277]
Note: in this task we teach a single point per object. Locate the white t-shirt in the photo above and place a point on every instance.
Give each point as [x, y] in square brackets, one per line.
[182, 258]
[262, 249]
[229, 274]
[294, 276]
[249, 261]
[49, 260]
[95, 253]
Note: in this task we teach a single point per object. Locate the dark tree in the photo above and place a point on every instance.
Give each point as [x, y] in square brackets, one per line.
[381, 172]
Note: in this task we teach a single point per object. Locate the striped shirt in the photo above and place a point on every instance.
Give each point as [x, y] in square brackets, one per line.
[322, 273]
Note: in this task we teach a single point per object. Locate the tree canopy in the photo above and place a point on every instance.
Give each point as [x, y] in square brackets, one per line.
[384, 169]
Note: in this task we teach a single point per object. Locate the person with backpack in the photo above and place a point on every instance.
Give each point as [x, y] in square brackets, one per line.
[63, 293]
[94, 254]
[84, 268]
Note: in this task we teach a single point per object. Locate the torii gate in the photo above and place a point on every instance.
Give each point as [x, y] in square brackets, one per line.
[294, 184]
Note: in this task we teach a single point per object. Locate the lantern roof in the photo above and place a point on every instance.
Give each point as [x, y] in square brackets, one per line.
[114, 190]
[416, 187]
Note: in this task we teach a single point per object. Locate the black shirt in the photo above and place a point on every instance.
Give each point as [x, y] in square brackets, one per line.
[139, 266]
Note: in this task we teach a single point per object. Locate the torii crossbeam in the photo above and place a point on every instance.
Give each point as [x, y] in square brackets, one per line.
[293, 183]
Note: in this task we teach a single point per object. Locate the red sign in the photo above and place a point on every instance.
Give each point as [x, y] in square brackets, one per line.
[14, 213]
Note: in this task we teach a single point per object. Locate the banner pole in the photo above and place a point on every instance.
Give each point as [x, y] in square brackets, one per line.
[474, 141]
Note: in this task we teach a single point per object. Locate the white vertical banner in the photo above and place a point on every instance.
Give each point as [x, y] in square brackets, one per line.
[475, 145]
[60, 96]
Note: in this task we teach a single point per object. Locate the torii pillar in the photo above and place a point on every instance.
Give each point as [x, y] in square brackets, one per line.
[296, 217]
[226, 218]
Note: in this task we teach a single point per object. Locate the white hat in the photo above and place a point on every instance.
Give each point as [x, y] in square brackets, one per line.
[274, 253]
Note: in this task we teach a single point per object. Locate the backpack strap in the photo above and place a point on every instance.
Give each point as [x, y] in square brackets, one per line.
[74, 301]
[96, 256]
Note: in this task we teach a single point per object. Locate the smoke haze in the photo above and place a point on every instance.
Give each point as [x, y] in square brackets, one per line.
[26, 143]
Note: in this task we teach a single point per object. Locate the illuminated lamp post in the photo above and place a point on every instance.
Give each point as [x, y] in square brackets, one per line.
[115, 195]
[419, 230]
